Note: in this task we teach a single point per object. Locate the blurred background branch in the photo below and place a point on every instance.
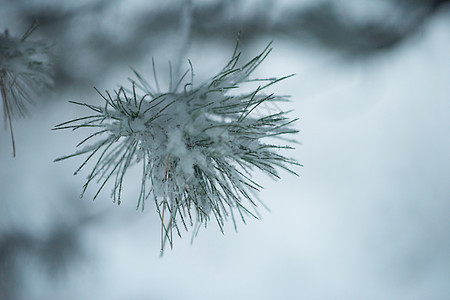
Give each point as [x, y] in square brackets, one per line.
[353, 28]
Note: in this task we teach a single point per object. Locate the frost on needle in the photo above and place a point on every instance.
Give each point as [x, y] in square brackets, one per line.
[196, 145]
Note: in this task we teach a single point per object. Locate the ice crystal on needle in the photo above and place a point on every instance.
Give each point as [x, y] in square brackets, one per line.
[196, 146]
[25, 72]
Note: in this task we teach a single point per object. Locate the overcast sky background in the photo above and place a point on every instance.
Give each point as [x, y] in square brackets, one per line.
[368, 217]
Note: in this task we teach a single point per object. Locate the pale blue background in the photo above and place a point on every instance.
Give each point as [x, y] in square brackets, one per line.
[368, 217]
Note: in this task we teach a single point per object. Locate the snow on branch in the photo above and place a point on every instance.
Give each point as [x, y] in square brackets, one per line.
[197, 145]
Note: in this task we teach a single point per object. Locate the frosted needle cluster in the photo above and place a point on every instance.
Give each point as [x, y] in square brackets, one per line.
[197, 145]
[25, 72]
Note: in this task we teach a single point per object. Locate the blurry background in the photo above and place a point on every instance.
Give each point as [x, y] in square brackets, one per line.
[368, 217]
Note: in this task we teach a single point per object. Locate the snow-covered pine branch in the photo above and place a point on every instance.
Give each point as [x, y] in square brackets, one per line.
[197, 145]
[25, 72]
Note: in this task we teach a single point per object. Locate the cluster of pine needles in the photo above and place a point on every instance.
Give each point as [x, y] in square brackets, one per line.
[197, 145]
[25, 73]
